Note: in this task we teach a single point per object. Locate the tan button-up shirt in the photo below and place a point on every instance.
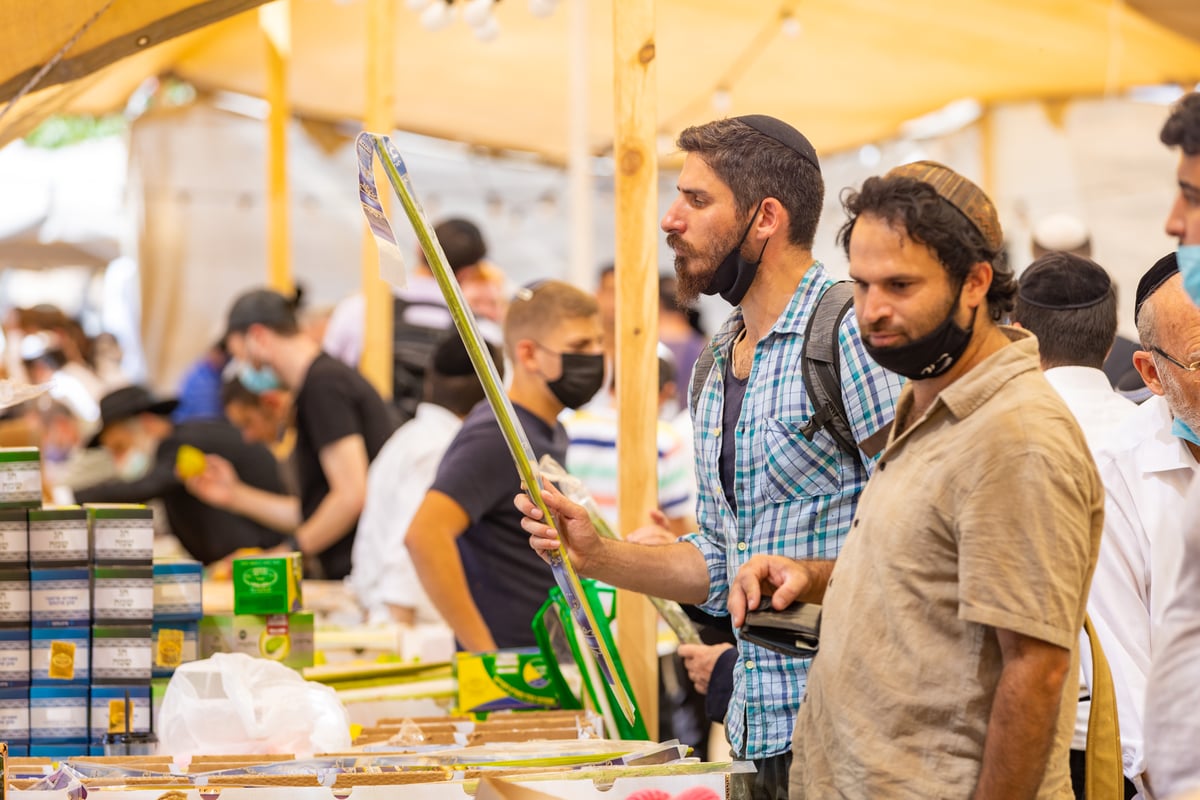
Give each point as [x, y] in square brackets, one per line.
[984, 513]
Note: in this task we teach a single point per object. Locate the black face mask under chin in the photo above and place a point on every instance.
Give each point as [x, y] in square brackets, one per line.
[733, 276]
[929, 356]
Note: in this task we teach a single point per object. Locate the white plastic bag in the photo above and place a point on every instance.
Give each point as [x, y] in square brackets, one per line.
[233, 704]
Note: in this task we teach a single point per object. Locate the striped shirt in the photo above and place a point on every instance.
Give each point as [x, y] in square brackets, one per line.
[795, 498]
[592, 458]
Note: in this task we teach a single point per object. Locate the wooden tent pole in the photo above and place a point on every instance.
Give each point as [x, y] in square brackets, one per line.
[636, 155]
[376, 362]
[275, 21]
[579, 158]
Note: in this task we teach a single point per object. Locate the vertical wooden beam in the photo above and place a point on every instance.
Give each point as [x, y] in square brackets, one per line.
[376, 362]
[636, 154]
[579, 152]
[274, 19]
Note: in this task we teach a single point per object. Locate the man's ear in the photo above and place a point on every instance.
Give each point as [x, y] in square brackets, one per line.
[525, 355]
[772, 219]
[977, 283]
[1143, 362]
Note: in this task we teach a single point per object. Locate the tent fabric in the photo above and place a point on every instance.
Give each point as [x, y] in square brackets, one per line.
[852, 73]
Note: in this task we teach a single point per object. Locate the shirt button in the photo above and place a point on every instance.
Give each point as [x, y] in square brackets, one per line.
[716, 432]
[749, 665]
[742, 546]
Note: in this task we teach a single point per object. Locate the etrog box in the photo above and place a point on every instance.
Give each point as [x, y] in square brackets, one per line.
[14, 538]
[59, 537]
[122, 654]
[267, 585]
[121, 533]
[286, 638]
[123, 595]
[503, 680]
[14, 597]
[20, 477]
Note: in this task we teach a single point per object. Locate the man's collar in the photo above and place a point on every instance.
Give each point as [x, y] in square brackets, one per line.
[795, 314]
[987, 377]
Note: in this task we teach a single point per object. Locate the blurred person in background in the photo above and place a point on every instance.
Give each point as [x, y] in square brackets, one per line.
[341, 425]
[136, 430]
[1066, 233]
[67, 463]
[200, 387]
[264, 418]
[383, 578]
[679, 329]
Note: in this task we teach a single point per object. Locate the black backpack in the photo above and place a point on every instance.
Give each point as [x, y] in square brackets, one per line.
[820, 369]
[412, 350]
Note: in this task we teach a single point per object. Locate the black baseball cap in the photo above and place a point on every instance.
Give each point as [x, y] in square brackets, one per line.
[261, 307]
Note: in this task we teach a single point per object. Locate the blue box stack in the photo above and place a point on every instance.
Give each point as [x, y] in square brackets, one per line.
[122, 538]
[14, 630]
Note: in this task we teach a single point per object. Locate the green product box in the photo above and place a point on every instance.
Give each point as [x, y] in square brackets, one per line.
[267, 585]
[286, 638]
[20, 477]
[504, 680]
[121, 533]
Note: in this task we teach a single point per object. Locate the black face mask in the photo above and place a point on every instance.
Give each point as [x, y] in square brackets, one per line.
[733, 276]
[929, 356]
[582, 376]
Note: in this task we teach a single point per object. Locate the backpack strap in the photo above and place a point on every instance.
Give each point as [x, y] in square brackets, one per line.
[704, 365]
[821, 367]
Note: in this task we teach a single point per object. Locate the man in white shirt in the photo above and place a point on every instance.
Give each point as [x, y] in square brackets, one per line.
[1173, 693]
[1069, 303]
[1147, 468]
[382, 577]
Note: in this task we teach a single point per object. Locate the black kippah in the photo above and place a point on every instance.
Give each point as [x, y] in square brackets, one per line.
[783, 133]
[451, 358]
[1155, 277]
[1063, 281]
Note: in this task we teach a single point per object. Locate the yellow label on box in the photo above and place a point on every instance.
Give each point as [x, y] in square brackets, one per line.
[168, 651]
[62, 661]
[116, 716]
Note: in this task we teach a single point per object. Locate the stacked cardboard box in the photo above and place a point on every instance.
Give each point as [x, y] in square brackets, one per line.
[266, 621]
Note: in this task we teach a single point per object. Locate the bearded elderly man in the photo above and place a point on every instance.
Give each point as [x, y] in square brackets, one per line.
[742, 226]
[1147, 469]
[1172, 726]
[951, 621]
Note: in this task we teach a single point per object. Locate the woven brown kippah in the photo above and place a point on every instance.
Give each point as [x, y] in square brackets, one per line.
[959, 192]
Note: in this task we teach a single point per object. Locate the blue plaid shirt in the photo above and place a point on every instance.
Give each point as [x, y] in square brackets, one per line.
[794, 497]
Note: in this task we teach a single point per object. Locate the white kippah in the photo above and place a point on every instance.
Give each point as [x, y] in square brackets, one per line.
[1064, 232]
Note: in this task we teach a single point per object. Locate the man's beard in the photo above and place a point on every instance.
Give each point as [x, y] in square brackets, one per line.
[1181, 398]
[691, 283]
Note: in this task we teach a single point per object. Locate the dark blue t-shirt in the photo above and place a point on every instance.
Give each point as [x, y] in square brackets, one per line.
[735, 393]
[508, 580]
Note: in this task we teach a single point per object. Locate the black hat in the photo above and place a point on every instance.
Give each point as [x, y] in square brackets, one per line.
[783, 133]
[1155, 277]
[126, 402]
[1062, 281]
[261, 307]
[451, 359]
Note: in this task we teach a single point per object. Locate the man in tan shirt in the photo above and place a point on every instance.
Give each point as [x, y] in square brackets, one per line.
[950, 624]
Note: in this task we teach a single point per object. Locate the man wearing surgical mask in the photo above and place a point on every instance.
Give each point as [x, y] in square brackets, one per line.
[137, 431]
[341, 425]
[466, 541]
[1173, 684]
